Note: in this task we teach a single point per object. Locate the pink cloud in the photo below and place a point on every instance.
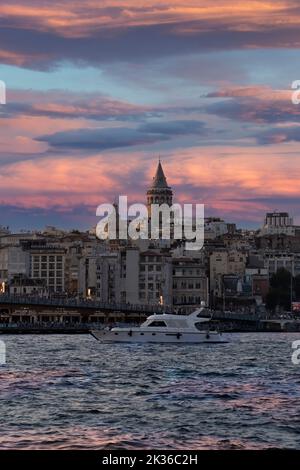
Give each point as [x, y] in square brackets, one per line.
[232, 181]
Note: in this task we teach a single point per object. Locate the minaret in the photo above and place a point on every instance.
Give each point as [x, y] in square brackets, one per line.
[159, 192]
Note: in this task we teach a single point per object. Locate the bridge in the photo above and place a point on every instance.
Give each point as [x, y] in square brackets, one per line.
[254, 322]
[42, 310]
[76, 304]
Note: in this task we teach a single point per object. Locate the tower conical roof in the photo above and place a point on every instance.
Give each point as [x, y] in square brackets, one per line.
[159, 180]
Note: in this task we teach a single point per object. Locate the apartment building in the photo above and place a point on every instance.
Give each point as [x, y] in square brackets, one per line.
[223, 262]
[48, 264]
[189, 283]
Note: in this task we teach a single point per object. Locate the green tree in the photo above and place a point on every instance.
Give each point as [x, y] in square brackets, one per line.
[296, 287]
[280, 290]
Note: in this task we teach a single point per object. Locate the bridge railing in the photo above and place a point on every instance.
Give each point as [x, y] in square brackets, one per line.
[78, 303]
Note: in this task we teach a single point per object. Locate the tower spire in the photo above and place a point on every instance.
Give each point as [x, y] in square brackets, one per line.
[159, 191]
[159, 180]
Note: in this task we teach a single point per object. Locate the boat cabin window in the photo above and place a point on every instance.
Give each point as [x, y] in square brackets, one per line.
[157, 323]
[201, 326]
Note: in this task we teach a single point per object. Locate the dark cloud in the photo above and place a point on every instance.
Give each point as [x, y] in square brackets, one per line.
[179, 127]
[279, 135]
[272, 201]
[256, 110]
[75, 217]
[100, 139]
[118, 137]
[43, 50]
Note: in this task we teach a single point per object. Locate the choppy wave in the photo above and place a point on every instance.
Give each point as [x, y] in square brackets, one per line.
[71, 392]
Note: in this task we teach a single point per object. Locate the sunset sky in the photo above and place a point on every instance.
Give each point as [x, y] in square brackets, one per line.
[96, 90]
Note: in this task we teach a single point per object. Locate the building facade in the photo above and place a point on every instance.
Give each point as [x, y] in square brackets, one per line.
[48, 264]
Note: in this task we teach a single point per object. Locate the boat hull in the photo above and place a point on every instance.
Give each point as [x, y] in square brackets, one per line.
[137, 336]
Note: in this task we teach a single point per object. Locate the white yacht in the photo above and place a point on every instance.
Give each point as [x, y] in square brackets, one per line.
[164, 328]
